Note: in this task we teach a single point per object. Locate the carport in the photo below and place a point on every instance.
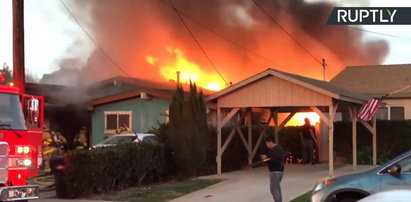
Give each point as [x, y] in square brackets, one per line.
[281, 92]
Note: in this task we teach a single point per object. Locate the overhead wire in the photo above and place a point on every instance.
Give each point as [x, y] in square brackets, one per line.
[196, 41]
[94, 41]
[180, 14]
[373, 32]
[223, 36]
[284, 30]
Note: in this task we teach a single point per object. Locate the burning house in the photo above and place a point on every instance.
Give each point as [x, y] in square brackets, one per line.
[120, 101]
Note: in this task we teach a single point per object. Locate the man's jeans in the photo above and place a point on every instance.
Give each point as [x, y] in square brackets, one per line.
[275, 188]
[308, 151]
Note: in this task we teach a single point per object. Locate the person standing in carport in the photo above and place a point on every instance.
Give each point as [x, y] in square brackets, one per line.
[275, 158]
[308, 141]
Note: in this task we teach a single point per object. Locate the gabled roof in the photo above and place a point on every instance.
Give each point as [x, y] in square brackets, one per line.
[376, 80]
[58, 95]
[167, 95]
[323, 87]
[143, 84]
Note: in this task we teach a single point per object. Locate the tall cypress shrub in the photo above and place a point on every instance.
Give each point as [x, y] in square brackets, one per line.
[188, 130]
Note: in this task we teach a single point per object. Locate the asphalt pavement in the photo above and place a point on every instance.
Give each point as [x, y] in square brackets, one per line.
[253, 185]
[248, 185]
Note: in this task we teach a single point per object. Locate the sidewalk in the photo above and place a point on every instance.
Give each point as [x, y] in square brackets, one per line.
[253, 185]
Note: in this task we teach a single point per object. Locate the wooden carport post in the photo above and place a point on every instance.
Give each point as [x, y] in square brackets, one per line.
[277, 127]
[330, 122]
[353, 115]
[373, 130]
[218, 140]
[275, 117]
[250, 135]
[220, 123]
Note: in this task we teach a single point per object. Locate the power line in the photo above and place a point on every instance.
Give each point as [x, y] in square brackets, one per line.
[282, 28]
[94, 41]
[195, 39]
[223, 37]
[373, 32]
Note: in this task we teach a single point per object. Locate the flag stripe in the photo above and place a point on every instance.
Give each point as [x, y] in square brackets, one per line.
[368, 109]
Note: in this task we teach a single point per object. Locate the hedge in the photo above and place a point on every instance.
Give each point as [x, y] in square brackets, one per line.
[111, 168]
[393, 138]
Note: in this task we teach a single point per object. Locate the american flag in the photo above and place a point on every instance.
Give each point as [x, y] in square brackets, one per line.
[368, 109]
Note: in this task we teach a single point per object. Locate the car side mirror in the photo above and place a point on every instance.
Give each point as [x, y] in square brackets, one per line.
[394, 170]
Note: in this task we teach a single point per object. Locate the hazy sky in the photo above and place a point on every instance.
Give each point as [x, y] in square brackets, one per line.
[50, 33]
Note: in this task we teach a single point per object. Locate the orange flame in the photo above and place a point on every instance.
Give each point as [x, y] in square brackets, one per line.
[189, 71]
[298, 118]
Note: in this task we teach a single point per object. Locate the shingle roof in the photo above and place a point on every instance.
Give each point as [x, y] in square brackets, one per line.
[376, 80]
[313, 84]
[167, 95]
[144, 84]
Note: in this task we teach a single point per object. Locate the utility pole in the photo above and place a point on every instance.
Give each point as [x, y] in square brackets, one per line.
[324, 66]
[18, 45]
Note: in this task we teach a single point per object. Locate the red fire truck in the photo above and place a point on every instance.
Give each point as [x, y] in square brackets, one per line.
[21, 128]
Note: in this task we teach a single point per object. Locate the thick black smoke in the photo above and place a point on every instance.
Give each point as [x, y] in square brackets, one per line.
[130, 30]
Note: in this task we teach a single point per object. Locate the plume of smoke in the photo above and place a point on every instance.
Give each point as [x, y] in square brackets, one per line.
[130, 30]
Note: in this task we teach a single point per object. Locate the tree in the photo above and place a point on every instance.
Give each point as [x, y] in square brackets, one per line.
[6, 72]
[8, 76]
[188, 130]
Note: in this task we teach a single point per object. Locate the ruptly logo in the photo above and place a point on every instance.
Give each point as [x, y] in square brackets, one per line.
[369, 15]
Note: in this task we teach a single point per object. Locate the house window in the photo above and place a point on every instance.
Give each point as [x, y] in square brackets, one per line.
[391, 113]
[382, 113]
[113, 120]
[397, 113]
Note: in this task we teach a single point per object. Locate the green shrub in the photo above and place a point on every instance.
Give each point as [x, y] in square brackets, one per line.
[117, 167]
[365, 156]
[393, 139]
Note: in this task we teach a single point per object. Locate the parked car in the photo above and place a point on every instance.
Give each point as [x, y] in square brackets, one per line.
[395, 174]
[127, 138]
[389, 196]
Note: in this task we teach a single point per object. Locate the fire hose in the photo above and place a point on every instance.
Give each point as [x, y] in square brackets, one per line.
[44, 180]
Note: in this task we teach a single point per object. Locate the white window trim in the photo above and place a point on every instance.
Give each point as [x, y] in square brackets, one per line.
[109, 131]
[389, 110]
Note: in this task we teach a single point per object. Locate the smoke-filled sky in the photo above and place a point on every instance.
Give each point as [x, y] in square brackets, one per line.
[131, 31]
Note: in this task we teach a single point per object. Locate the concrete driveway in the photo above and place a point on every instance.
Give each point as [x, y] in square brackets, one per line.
[253, 185]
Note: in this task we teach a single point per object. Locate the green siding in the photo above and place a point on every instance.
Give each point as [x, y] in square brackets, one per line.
[145, 115]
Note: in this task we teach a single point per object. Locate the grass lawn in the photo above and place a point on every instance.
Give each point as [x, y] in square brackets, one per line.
[302, 198]
[157, 193]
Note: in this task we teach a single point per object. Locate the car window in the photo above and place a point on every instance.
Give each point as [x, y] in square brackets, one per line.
[405, 165]
[150, 139]
[119, 140]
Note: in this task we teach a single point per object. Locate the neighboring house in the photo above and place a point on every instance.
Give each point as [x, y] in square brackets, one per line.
[377, 81]
[65, 108]
[138, 104]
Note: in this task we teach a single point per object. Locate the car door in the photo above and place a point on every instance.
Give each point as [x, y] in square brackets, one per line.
[401, 180]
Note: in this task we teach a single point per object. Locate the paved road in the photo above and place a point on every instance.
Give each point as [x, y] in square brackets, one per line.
[253, 185]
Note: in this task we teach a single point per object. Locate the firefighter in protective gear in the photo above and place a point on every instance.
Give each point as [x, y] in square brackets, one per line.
[123, 130]
[61, 141]
[53, 143]
[80, 142]
[48, 149]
